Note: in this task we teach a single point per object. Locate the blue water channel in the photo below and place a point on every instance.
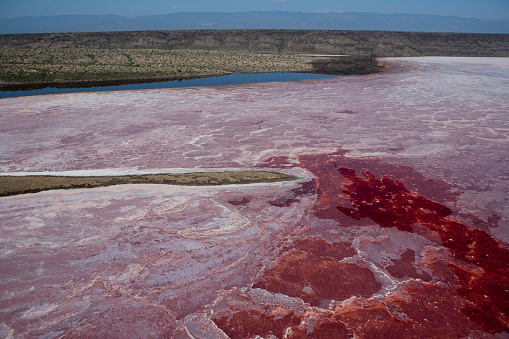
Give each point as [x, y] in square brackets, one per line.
[231, 79]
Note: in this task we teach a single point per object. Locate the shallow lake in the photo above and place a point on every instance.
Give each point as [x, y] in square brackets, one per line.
[231, 79]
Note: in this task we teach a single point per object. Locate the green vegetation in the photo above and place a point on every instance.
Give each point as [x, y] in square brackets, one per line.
[85, 64]
[13, 185]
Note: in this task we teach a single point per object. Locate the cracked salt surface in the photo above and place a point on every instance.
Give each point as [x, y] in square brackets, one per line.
[210, 261]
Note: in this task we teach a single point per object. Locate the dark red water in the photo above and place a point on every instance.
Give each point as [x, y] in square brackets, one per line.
[471, 267]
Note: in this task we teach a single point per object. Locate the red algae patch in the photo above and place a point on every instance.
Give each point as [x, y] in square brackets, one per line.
[325, 330]
[317, 246]
[255, 324]
[251, 320]
[252, 323]
[313, 273]
[330, 182]
[417, 312]
[405, 267]
[483, 265]
[388, 202]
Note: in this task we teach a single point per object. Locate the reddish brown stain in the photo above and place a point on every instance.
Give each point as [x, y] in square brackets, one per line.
[390, 204]
[317, 246]
[487, 292]
[329, 182]
[252, 323]
[308, 187]
[277, 162]
[331, 329]
[404, 267]
[312, 272]
[475, 295]
[417, 312]
[242, 324]
[239, 202]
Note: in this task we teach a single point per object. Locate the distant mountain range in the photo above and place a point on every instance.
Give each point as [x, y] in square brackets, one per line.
[253, 20]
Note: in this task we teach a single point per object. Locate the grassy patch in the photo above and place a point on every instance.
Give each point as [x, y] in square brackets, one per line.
[13, 185]
[19, 66]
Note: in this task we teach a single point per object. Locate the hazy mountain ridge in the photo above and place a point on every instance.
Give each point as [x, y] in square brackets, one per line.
[253, 20]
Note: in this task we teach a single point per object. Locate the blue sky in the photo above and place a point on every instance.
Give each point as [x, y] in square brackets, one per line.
[482, 9]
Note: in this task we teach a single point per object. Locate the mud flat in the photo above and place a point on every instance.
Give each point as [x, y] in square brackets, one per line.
[399, 226]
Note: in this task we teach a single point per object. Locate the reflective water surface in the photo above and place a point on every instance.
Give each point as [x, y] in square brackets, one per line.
[231, 79]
